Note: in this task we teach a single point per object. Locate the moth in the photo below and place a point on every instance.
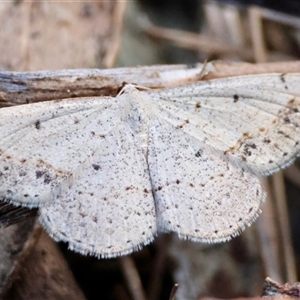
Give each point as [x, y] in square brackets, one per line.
[109, 173]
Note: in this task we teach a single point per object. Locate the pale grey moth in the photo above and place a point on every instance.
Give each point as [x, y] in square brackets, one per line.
[108, 174]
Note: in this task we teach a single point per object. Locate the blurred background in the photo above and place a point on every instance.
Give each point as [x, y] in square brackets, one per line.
[39, 35]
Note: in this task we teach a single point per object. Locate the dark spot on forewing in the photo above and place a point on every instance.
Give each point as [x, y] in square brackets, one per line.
[159, 188]
[96, 167]
[284, 134]
[199, 153]
[39, 174]
[246, 135]
[292, 105]
[198, 105]
[37, 124]
[47, 178]
[291, 101]
[239, 144]
[247, 147]
[252, 145]
[235, 98]
[282, 77]
[182, 125]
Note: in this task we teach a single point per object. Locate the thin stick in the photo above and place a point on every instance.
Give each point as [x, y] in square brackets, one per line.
[132, 278]
[174, 291]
